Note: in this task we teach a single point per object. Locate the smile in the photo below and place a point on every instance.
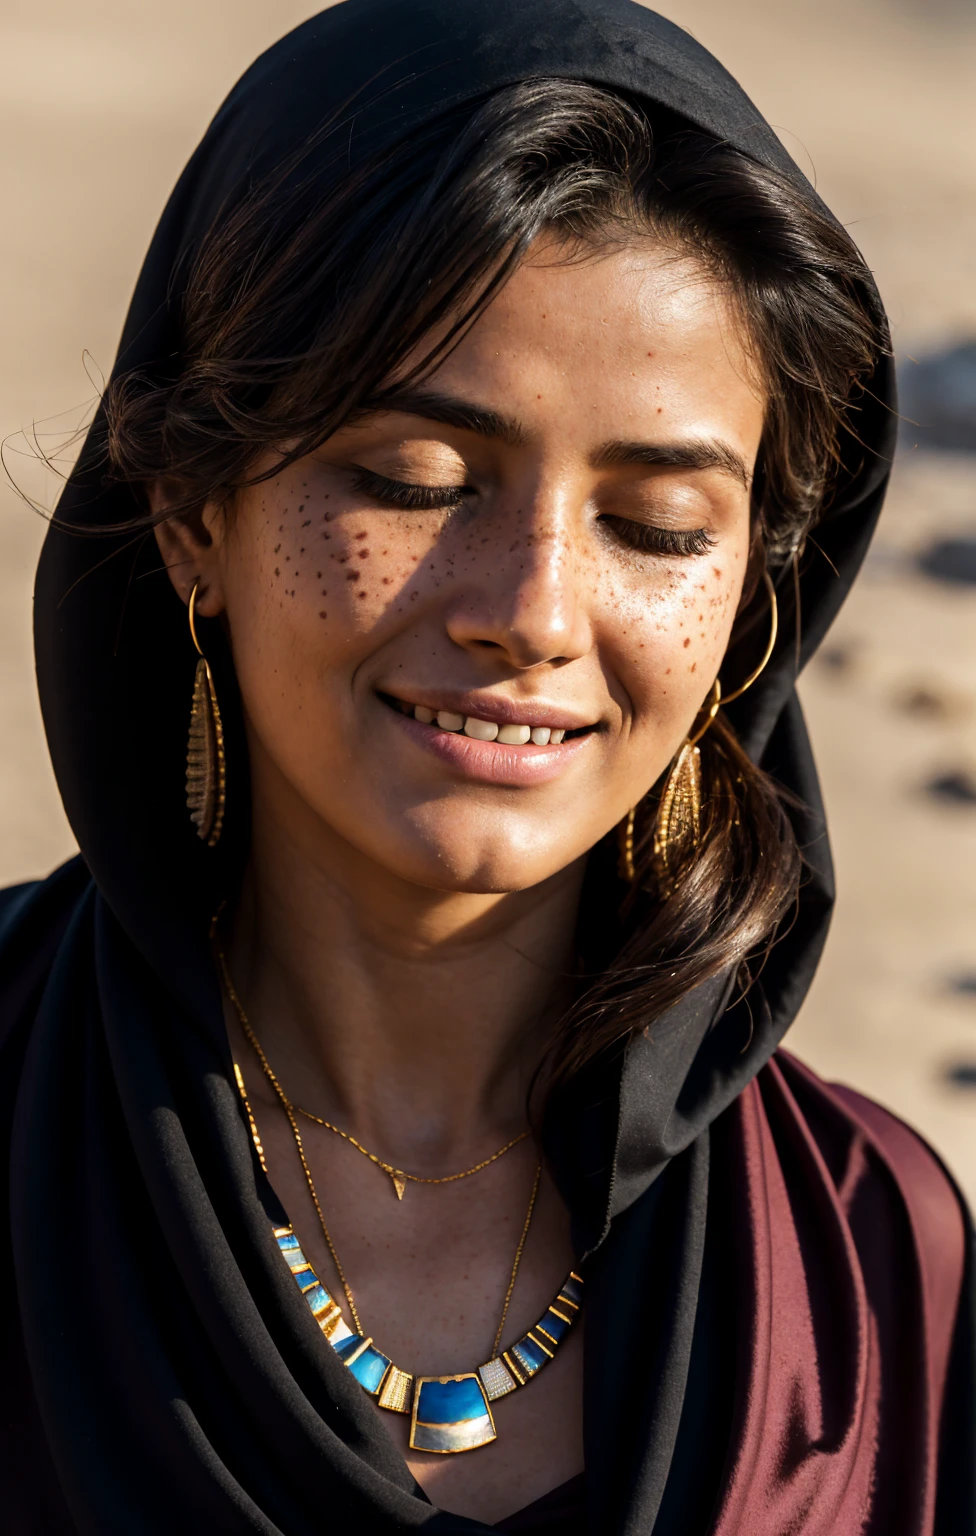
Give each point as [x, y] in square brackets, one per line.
[506, 751]
[507, 733]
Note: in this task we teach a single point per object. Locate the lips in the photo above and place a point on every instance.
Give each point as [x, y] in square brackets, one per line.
[497, 741]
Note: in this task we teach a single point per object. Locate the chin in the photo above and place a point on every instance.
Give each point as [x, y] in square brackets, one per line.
[476, 864]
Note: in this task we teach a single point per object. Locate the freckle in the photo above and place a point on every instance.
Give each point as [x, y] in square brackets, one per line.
[667, 671]
[288, 557]
[276, 548]
[318, 575]
[687, 642]
[364, 554]
[361, 535]
[362, 592]
[716, 572]
[307, 523]
[660, 409]
[323, 614]
[277, 572]
[386, 581]
[352, 575]
[302, 550]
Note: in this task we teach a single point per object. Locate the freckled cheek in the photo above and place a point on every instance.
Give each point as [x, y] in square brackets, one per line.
[344, 571]
[670, 646]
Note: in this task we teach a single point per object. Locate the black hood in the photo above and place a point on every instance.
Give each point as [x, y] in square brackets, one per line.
[114, 660]
[115, 670]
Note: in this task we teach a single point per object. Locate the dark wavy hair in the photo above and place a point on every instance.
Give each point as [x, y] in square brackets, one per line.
[310, 294]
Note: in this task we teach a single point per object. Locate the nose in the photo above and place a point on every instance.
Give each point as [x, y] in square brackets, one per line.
[523, 596]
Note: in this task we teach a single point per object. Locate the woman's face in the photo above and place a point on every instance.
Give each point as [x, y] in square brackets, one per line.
[547, 541]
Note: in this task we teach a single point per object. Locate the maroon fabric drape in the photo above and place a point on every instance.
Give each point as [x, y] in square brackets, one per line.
[852, 1251]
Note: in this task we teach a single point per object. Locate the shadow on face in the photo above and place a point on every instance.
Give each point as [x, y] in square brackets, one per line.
[473, 628]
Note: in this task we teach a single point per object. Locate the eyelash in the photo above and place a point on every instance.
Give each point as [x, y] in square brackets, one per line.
[401, 493]
[645, 538]
[648, 539]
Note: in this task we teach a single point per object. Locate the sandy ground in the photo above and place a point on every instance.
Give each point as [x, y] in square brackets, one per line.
[99, 108]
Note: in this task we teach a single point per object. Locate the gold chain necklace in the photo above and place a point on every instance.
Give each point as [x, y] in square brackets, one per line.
[448, 1414]
[398, 1176]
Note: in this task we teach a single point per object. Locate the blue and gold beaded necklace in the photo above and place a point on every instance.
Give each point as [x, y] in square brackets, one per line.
[448, 1414]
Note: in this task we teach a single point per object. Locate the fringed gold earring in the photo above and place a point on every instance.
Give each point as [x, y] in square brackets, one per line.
[625, 841]
[677, 827]
[206, 764]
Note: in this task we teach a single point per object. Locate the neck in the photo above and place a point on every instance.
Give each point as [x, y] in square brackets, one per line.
[413, 1018]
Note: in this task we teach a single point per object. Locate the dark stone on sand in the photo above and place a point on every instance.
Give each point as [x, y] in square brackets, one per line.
[951, 560]
[937, 399]
[962, 1074]
[955, 788]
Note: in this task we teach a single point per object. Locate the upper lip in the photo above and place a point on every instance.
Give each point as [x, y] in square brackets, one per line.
[494, 707]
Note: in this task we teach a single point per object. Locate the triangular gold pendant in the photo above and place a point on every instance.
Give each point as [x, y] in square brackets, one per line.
[398, 1184]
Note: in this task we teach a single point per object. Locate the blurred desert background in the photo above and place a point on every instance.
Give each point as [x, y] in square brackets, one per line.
[101, 105]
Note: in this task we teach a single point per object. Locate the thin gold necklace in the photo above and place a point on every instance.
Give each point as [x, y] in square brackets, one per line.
[398, 1177]
[290, 1111]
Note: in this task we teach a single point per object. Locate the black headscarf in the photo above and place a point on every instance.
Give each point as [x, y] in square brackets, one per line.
[165, 1373]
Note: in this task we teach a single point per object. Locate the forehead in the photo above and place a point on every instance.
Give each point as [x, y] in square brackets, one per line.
[611, 341]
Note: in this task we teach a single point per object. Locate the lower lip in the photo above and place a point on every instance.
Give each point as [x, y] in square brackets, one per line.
[491, 762]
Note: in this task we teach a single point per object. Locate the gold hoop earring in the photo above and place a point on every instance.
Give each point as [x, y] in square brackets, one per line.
[770, 644]
[206, 764]
[677, 826]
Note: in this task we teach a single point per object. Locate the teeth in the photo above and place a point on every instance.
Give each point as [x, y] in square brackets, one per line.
[489, 730]
[514, 735]
[448, 721]
[481, 730]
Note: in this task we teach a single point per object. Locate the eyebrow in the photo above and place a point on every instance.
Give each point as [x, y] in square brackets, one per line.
[451, 411]
[696, 453]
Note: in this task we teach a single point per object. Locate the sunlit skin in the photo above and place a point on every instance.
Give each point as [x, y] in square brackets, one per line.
[404, 938]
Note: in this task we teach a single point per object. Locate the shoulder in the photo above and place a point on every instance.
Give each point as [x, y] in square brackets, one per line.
[879, 1161]
[33, 918]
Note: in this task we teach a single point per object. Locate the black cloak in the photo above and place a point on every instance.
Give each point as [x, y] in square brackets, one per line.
[782, 1261]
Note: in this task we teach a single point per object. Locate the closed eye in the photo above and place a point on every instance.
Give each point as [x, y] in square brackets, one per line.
[651, 539]
[403, 493]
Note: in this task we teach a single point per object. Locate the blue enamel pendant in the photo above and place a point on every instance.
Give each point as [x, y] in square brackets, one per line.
[447, 1413]
[450, 1413]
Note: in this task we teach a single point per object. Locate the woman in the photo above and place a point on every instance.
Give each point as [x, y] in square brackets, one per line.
[490, 371]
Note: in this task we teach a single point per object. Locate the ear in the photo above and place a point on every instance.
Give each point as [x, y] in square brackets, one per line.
[191, 544]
